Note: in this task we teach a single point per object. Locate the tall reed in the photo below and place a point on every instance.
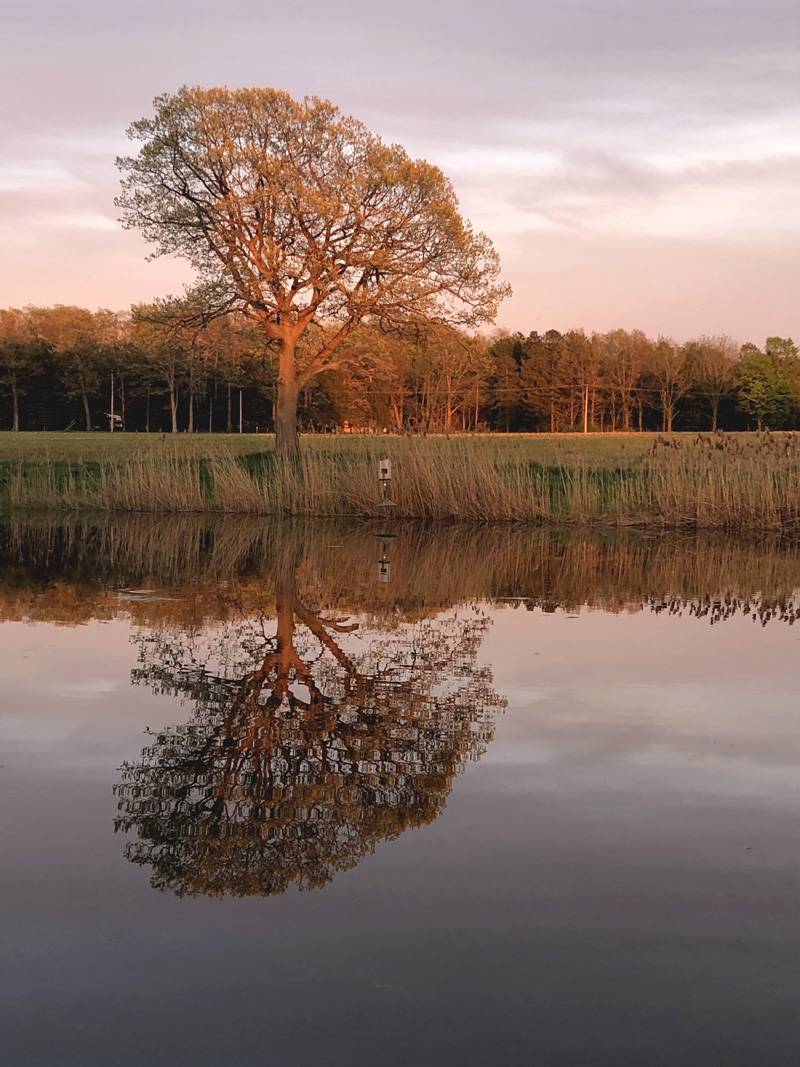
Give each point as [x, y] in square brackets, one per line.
[708, 481]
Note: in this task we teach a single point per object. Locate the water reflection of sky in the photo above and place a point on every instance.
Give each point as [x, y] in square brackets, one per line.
[615, 879]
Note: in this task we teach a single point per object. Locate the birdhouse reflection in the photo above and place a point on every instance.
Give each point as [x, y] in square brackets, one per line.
[384, 564]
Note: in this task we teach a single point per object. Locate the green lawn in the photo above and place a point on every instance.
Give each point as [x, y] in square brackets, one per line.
[597, 449]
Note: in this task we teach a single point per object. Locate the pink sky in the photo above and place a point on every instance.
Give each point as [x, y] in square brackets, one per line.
[635, 163]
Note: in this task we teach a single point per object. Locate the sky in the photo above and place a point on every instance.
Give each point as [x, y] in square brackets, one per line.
[636, 162]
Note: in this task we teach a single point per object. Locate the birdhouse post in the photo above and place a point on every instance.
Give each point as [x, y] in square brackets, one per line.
[385, 477]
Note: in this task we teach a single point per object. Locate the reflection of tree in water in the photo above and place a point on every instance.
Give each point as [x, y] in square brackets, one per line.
[714, 609]
[300, 756]
[726, 606]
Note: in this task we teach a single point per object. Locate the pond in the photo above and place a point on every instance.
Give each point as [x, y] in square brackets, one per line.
[344, 794]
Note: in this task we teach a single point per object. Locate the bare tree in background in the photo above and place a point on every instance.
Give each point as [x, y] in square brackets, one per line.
[714, 360]
[668, 371]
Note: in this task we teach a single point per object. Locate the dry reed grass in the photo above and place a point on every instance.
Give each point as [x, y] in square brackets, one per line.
[708, 481]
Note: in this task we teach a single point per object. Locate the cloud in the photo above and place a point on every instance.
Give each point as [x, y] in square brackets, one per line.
[614, 120]
[23, 176]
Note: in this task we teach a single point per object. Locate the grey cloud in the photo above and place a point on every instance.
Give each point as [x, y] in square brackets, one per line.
[458, 59]
[603, 86]
[605, 178]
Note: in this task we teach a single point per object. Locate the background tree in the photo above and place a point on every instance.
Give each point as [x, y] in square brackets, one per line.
[507, 352]
[781, 348]
[297, 214]
[19, 353]
[785, 353]
[764, 392]
[449, 370]
[217, 373]
[114, 363]
[581, 359]
[544, 378]
[77, 337]
[667, 370]
[388, 360]
[162, 340]
[712, 365]
[624, 356]
[373, 386]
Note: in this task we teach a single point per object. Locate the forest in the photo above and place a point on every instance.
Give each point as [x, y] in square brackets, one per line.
[153, 369]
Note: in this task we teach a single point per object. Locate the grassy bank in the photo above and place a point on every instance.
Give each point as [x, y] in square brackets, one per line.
[724, 481]
[51, 447]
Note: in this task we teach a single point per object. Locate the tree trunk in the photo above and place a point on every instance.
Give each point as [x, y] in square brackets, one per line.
[14, 406]
[173, 407]
[87, 415]
[714, 414]
[147, 412]
[229, 423]
[287, 443]
[586, 409]
[286, 440]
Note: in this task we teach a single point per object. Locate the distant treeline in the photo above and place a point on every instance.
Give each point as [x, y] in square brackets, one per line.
[67, 367]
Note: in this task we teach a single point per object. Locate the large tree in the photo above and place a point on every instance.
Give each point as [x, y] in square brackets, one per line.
[300, 216]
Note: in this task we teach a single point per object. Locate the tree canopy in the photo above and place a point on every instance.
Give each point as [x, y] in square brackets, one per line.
[299, 216]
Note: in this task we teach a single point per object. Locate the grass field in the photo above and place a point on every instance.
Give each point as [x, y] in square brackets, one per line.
[746, 481]
[603, 449]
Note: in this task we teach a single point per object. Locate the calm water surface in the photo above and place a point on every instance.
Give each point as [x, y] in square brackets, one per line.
[300, 794]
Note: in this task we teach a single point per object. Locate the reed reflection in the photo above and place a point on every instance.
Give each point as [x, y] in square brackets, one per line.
[71, 573]
[314, 735]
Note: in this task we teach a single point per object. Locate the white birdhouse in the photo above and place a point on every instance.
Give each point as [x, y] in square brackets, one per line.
[385, 470]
